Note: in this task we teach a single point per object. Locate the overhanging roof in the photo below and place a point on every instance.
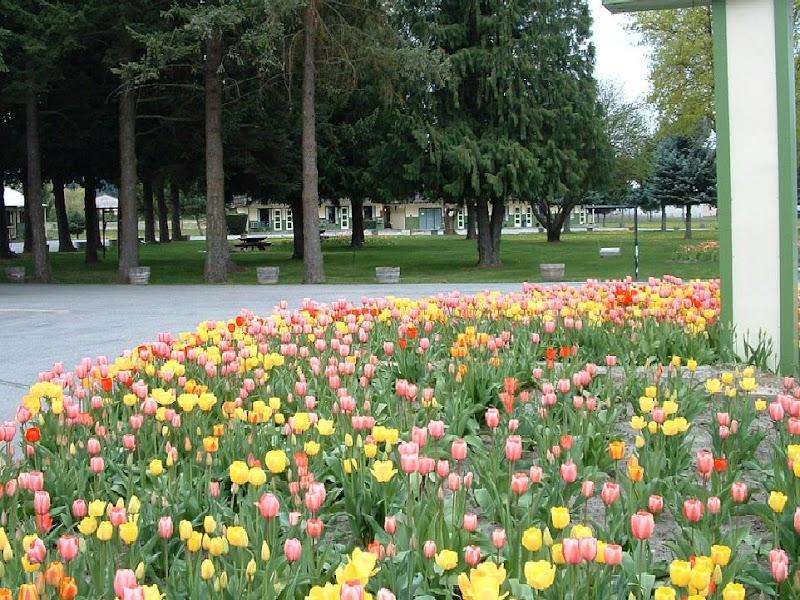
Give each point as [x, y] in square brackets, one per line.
[621, 6]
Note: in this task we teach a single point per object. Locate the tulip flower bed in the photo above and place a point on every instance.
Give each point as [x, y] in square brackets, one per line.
[555, 443]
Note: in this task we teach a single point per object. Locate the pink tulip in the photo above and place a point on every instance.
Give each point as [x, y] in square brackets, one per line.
[429, 549]
[268, 505]
[610, 492]
[292, 549]
[571, 549]
[384, 594]
[41, 502]
[642, 525]
[472, 555]
[68, 547]
[587, 488]
[613, 555]
[499, 537]
[390, 525]
[714, 505]
[739, 492]
[513, 448]
[124, 579]
[693, 509]
[519, 483]
[79, 508]
[458, 450]
[655, 504]
[165, 527]
[588, 548]
[492, 418]
[569, 471]
[436, 429]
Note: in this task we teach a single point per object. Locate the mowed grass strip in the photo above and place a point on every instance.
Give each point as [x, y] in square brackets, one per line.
[422, 259]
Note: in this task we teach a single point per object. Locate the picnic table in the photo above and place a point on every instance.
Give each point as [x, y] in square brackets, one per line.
[253, 242]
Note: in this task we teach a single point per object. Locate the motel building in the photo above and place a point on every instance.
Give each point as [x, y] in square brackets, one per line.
[418, 216]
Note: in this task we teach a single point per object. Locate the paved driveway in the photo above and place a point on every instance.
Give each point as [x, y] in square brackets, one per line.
[42, 324]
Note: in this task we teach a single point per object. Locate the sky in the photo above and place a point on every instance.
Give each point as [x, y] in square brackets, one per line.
[619, 57]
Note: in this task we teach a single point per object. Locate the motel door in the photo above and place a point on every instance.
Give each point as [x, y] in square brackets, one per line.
[430, 218]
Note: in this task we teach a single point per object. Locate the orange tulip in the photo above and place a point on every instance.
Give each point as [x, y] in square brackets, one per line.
[28, 591]
[68, 589]
[54, 573]
[5, 594]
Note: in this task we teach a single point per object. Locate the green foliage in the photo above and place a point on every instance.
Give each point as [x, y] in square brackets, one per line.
[77, 223]
[237, 223]
[684, 172]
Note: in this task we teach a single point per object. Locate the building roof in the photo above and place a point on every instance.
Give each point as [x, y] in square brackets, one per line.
[106, 201]
[12, 198]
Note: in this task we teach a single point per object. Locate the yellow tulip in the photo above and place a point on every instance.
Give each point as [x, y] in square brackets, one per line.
[680, 572]
[721, 555]
[532, 539]
[540, 574]
[104, 531]
[207, 569]
[733, 591]
[257, 476]
[237, 537]
[325, 427]
[276, 461]
[447, 559]
[559, 516]
[777, 501]
[239, 472]
[129, 532]
[383, 470]
[665, 593]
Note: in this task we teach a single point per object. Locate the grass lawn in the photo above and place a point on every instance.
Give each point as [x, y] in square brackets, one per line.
[421, 258]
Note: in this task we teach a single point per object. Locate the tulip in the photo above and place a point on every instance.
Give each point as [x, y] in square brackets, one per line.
[572, 551]
[292, 549]
[499, 537]
[588, 548]
[655, 504]
[68, 547]
[610, 492]
[642, 525]
[693, 509]
[458, 450]
[390, 525]
[268, 505]
[123, 579]
[470, 522]
[165, 527]
[472, 555]
[41, 502]
[613, 554]
[429, 549]
[569, 471]
[739, 492]
[714, 505]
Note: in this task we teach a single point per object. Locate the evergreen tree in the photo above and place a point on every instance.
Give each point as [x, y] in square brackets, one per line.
[684, 174]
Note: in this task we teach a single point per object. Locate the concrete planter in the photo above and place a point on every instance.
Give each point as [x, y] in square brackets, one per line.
[139, 276]
[15, 274]
[267, 275]
[552, 271]
[387, 274]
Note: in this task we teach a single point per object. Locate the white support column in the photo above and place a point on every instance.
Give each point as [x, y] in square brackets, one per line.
[757, 237]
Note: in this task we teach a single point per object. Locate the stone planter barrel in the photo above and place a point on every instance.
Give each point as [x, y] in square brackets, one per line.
[267, 275]
[387, 274]
[552, 271]
[15, 274]
[139, 275]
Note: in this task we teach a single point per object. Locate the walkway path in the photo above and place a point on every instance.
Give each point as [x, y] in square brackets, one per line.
[42, 324]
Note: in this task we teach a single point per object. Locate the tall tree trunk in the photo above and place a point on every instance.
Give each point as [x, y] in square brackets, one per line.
[312, 247]
[149, 212]
[5, 246]
[687, 216]
[92, 220]
[567, 227]
[489, 229]
[498, 216]
[128, 228]
[33, 197]
[163, 217]
[175, 202]
[472, 222]
[554, 226]
[27, 233]
[217, 251]
[297, 231]
[663, 217]
[64, 239]
[357, 235]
